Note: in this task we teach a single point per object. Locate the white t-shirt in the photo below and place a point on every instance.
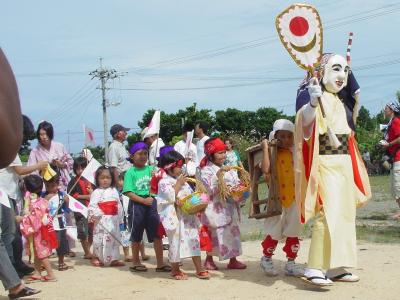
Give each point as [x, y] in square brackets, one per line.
[191, 155]
[9, 179]
[200, 148]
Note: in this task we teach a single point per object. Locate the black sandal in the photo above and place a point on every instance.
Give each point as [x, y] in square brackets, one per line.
[26, 291]
[164, 268]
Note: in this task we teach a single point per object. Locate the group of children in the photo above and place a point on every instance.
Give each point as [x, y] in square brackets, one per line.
[121, 207]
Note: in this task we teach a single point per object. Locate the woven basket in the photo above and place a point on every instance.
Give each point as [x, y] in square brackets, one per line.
[196, 202]
[239, 192]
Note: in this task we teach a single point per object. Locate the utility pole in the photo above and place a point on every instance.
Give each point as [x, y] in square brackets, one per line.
[104, 75]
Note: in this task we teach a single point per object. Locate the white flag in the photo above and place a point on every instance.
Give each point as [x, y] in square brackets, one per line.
[89, 136]
[154, 125]
[76, 206]
[90, 170]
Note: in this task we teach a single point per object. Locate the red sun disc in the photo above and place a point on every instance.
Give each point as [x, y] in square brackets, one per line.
[298, 26]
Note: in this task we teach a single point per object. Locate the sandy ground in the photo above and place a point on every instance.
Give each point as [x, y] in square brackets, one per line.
[378, 268]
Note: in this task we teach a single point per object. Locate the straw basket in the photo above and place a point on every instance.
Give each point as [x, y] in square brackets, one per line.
[196, 202]
[237, 193]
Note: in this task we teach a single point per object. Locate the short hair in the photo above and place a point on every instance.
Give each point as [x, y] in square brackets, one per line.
[203, 125]
[169, 158]
[80, 161]
[28, 129]
[47, 127]
[187, 127]
[33, 183]
[98, 173]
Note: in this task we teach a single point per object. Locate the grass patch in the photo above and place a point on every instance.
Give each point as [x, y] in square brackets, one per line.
[385, 234]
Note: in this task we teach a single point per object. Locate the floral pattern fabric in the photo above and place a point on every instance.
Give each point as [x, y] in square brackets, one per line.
[222, 218]
[182, 230]
[106, 233]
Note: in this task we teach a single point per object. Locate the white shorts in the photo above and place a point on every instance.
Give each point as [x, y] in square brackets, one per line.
[285, 225]
[395, 180]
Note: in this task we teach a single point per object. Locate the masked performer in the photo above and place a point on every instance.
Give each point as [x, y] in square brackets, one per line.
[331, 179]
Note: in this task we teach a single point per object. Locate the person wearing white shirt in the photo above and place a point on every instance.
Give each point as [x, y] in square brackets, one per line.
[155, 143]
[188, 152]
[201, 130]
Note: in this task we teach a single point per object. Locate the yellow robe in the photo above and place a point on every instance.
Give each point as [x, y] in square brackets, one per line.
[330, 194]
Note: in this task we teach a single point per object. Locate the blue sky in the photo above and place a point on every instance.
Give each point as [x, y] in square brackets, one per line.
[53, 45]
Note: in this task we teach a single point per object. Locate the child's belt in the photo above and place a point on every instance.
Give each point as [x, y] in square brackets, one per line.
[109, 207]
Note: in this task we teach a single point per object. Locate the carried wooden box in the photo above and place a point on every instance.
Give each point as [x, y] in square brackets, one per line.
[271, 205]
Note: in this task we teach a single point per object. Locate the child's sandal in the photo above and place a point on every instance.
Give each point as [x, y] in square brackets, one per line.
[179, 276]
[62, 267]
[203, 275]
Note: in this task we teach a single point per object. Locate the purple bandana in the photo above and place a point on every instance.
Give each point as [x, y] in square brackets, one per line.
[138, 146]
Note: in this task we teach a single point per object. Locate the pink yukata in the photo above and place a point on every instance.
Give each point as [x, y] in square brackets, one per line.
[56, 151]
[182, 230]
[221, 219]
[31, 225]
[106, 212]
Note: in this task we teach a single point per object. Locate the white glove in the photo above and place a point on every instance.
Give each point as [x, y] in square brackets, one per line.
[315, 92]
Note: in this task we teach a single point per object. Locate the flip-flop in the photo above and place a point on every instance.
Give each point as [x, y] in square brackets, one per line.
[138, 268]
[203, 275]
[310, 280]
[32, 279]
[48, 279]
[26, 291]
[164, 268]
[179, 276]
[87, 256]
[63, 267]
[345, 277]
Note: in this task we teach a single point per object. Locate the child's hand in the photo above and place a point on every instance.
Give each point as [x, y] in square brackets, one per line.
[90, 189]
[181, 180]
[18, 219]
[41, 165]
[148, 201]
[223, 169]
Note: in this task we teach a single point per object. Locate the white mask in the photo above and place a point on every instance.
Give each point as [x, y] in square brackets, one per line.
[336, 72]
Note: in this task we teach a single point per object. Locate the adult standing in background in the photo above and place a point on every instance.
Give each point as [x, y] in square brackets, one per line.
[117, 154]
[201, 130]
[52, 152]
[189, 153]
[392, 146]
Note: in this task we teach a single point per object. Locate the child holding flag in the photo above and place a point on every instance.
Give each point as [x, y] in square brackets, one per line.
[106, 212]
[80, 188]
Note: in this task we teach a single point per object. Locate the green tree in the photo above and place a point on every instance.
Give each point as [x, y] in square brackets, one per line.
[98, 153]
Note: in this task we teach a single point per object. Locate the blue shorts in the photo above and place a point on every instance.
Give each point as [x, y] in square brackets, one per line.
[144, 218]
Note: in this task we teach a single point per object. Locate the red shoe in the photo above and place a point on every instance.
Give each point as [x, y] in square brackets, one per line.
[210, 265]
[236, 265]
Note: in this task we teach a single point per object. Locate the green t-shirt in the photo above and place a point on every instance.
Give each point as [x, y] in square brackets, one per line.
[137, 180]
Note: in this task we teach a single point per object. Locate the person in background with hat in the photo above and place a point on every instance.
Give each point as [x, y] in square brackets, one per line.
[391, 144]
[117, 154]
[155, 143]
[287, 225]
[145, 216]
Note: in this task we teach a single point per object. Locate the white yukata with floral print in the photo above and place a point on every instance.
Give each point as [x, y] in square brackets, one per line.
[221, 219]
[182, 229]
[106, 227]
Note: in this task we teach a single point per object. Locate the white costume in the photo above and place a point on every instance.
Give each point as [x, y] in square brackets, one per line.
[106, 211]
[182, 229]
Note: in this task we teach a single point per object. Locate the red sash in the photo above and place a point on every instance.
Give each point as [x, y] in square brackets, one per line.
[109, 207]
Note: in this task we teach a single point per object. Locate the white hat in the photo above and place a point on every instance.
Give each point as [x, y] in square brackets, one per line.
[144, 132]
[281, 124]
